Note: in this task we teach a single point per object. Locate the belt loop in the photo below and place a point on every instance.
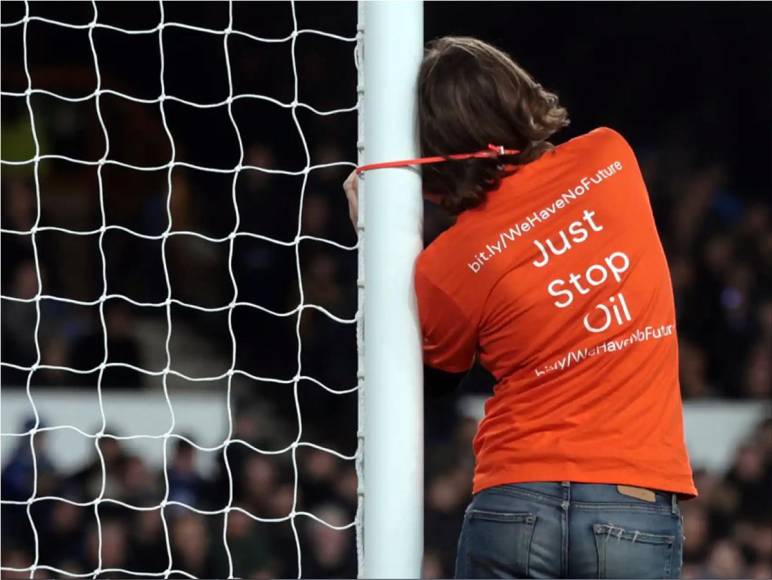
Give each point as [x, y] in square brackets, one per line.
[674, 503]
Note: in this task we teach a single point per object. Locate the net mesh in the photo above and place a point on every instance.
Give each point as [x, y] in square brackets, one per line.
[105, 159]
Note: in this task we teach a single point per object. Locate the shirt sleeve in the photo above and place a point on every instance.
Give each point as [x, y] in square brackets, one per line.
[449, 340]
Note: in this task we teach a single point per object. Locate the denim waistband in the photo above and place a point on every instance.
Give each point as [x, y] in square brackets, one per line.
[559, 491]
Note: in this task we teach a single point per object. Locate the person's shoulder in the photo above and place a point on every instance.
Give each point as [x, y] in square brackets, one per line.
[601, 138]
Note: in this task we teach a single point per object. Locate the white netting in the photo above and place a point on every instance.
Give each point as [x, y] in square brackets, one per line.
[302, 305]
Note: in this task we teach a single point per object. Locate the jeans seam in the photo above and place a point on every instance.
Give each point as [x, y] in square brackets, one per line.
[621, 506]
[500, 516]
[550, 499]
[676, 557]
[527, 563]
[565, 529]
[601, 559]
[564, 541]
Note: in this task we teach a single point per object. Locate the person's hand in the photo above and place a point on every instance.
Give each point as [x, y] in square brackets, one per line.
[351, 187]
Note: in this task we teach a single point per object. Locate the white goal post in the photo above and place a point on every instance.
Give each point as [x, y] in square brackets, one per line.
[390, 221]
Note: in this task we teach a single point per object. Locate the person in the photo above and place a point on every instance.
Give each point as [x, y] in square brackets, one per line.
[553, 278]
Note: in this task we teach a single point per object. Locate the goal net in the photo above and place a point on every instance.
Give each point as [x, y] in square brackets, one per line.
[286, 330]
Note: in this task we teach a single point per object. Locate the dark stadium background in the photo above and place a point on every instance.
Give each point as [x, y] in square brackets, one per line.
[688, 84]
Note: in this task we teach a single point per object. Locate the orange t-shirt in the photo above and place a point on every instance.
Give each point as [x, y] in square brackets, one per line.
[559, 284]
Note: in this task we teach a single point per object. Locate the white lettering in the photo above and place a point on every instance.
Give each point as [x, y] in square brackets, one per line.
[606, 323]
[531, 221]
[556, 293]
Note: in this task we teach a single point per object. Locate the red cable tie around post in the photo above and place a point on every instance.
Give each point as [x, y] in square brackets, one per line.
[491, 152]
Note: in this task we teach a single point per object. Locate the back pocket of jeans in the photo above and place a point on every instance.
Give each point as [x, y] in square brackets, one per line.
[498, 544]
[624, 553]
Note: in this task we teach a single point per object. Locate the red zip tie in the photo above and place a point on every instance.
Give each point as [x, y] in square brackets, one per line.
[491, 152]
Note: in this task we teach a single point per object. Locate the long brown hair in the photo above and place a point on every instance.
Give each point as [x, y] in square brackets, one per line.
[471, 94]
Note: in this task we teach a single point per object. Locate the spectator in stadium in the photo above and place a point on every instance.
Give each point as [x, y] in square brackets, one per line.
[331, 553]
[18, 214]
[137, 485]
[88, 479]
[18, 559]
[62, 539]
[446, 497]
[185, 483]
[18, 317]
[192, 546]
[593, 451]
[251, 550]
[18, 473]
[122, 347]
[259, 476]
[146, 537]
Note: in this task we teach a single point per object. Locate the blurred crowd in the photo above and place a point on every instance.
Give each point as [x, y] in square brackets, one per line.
[719, 246]
[718, 240]
[190, 539]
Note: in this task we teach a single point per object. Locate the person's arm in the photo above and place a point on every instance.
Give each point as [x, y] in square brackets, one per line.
[449, 339]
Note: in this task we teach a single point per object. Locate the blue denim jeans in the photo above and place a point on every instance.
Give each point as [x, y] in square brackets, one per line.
[569, 530]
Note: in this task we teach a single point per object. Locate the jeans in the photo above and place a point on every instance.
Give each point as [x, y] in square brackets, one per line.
[573, 530]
